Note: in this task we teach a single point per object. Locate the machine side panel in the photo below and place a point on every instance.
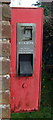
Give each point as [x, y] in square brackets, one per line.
[25, 91]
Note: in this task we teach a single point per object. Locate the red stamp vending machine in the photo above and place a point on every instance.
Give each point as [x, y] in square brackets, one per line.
[26, 58]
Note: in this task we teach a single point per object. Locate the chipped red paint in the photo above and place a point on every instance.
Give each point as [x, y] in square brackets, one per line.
[25, 91]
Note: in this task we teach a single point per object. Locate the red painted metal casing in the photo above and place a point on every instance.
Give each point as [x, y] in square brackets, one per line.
[26, 98]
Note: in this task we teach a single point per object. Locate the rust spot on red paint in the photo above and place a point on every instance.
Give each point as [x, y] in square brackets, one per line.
[19, 105]
[27, 104]
[13, 98]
